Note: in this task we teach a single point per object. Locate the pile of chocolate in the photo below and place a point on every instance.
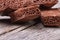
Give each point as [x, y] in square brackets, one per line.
[27, 10]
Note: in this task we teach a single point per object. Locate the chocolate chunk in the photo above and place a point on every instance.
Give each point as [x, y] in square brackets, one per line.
[49, 3]
[16, 4]
[25, 14]
[2, 5]
[51, 17]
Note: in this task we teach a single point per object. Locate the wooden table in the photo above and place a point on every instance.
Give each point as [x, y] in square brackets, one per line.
[28, 31]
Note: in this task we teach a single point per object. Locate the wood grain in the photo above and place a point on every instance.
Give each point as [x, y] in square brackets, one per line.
[36, 32]
[5, 27]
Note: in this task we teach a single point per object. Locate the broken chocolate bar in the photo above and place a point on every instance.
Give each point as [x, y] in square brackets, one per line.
[50, 17]
[49, 3]
[45, 3]
[16, 4]
[25, 14]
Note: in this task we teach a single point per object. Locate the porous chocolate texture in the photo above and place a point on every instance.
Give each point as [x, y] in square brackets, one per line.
[16, 4]
[8, 6]
[49, 3]
[25, 14]
[46, 3]
[51, 17]
[2, 5]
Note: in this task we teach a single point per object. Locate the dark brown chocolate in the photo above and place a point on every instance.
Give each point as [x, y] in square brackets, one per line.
[16, 4]
[51, 17]
[2, 5]
[25, 14]
[49, 3]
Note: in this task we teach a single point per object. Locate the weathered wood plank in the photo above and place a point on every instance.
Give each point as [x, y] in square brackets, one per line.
[5, 27]
[21, 34]
[37, 32]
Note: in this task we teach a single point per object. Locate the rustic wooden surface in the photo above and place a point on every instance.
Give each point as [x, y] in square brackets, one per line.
[28, 31]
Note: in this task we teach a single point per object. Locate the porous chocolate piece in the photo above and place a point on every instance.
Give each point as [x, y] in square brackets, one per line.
[13, 5]
[25, 14]
[51, 17]
[16, 4]
[45, 3]
[2, 5]
[49, 3]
